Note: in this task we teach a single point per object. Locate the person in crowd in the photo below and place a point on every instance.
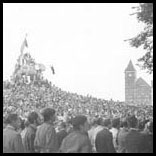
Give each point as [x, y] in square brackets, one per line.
[97, 126]
[62, 133]
[104, 139]
[78, 140]
[26, 124]
[20, 127]
[114, 130]
[91, 133]
[29, 137]
[22, 124]
[4, 123]
[148, 138]
[107, 123]
[133, 139]
[121, 136]
[141, 125]
[148, 127]
[46, 139]
[12, 141]
[69, 126]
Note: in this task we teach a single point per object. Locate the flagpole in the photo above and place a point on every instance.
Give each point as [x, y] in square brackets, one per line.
[22, 48]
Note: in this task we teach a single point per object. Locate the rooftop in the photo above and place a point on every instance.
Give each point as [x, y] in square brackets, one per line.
[130, 67]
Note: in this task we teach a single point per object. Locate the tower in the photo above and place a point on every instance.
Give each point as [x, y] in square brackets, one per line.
[130, 78]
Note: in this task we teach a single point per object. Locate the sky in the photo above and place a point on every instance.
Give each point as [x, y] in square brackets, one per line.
[84, 42]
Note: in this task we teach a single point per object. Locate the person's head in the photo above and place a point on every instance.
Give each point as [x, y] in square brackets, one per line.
[132, 121]
[107, 123]
[123, 123]
[14, 120]
[94, 122]
[99, 121]
[80, 122]
[26, 123]
[33, 118]
[116, 123]
[48, 115]
[141, 125]
[150, 126]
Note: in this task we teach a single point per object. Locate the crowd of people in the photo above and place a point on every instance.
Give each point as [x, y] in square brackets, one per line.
[76, 124]
[24, 98]
[43, 134]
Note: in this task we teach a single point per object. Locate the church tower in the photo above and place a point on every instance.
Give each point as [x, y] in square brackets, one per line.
[130, 79]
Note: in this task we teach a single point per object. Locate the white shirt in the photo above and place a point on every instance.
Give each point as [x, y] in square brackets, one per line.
[114, 132]
[92, 133]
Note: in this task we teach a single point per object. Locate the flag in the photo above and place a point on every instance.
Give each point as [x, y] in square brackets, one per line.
[52, 69]
[24, 44]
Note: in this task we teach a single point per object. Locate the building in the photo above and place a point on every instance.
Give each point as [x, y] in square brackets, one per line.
[137, 91]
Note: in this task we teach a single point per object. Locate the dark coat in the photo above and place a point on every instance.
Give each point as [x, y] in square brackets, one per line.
[76, 142]
[121, 139]
[29, 138]
[104, 142]
[133, 141]
[147, 143]
[46, 139]
[60, 136]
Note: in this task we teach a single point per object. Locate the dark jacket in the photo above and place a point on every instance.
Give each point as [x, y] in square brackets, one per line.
[121, 137]
[29, 139]
[60, 136]
[104, 142]
[46, 139]
[76, 142]
[147, 142]
[133, 141]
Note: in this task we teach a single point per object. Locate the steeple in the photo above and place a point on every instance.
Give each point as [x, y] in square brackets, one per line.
[130, 67]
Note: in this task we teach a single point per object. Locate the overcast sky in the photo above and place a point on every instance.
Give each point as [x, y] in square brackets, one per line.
[84, 43]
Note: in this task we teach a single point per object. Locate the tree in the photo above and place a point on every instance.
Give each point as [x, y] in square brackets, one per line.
[144, 13]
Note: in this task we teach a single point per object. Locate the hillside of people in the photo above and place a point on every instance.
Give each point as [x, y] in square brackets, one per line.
[21, 97]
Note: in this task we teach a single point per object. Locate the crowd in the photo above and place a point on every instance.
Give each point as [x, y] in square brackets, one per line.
[75, 124]
[78, 135]
[24, 98]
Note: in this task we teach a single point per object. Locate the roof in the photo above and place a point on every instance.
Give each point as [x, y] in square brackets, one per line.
[142, 82]
[130, 67]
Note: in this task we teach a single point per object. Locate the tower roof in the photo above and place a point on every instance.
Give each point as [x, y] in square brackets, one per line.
[130, 67]
[142, 82]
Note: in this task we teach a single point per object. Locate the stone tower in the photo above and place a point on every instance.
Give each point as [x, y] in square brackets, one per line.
[130, 79]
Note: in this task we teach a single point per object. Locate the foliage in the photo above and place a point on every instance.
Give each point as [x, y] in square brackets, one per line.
[144, 13]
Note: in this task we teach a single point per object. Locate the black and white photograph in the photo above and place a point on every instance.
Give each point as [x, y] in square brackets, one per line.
[77, 77]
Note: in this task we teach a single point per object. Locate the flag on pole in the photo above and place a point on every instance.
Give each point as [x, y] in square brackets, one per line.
[24, 44]
[52, 69]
